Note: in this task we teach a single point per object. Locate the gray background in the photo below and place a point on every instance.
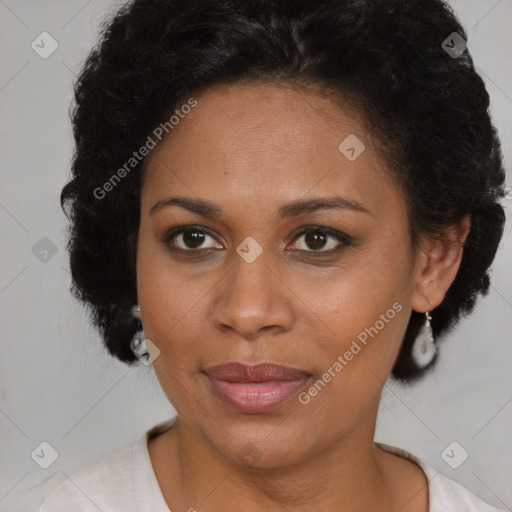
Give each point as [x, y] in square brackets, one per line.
[57, 382]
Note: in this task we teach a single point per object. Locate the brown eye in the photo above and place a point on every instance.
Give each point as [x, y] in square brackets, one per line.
[315, 240]
[193, 239]
[321, 240]
[190, 239]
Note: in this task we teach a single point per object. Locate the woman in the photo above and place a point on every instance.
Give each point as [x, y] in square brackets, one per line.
[278, 204]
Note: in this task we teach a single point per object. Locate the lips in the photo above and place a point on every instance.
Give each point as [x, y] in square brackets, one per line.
[256, 388]
[263, 372]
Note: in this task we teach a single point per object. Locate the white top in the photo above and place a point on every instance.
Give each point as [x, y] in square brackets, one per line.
[125, 481]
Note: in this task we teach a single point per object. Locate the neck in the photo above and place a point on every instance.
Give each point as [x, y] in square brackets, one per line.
[346, 475]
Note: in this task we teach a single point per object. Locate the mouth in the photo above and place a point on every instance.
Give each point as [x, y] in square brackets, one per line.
[256, 388]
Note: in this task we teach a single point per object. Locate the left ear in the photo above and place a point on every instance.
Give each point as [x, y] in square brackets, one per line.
[437, 264]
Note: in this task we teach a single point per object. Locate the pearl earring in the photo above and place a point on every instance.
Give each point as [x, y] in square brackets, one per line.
[424, 348]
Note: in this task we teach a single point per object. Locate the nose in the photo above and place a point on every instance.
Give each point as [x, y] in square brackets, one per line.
[252, 300]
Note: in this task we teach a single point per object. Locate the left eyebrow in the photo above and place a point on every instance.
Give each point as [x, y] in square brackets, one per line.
[320, 203]
[294, 208]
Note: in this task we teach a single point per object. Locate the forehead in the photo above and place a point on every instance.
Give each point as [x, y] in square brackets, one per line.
[265, 143]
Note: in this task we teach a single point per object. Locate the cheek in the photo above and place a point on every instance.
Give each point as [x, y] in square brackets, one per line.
[352, 297]
[172, 312]
[363, 312]
[165, 297]
[357, 356]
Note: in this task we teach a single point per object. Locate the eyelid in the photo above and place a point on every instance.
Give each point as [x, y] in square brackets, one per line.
[343, 239]
[339, 235]
[178, 230]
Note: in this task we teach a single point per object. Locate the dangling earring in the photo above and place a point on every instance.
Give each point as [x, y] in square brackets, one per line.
[424, 348]
[138, 342]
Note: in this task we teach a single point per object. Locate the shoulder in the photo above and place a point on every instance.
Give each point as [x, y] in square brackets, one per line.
[123, 481]
[101, 485]
[445, 495]
[445, 490]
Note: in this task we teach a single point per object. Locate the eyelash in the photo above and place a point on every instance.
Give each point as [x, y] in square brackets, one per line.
[345, 240]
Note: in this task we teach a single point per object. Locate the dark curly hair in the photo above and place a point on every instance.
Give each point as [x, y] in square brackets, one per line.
[428, 107]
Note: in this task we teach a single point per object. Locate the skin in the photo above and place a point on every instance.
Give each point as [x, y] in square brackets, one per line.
[250, 148]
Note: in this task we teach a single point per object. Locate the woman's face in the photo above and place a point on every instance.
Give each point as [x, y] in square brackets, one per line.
[249, 286]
